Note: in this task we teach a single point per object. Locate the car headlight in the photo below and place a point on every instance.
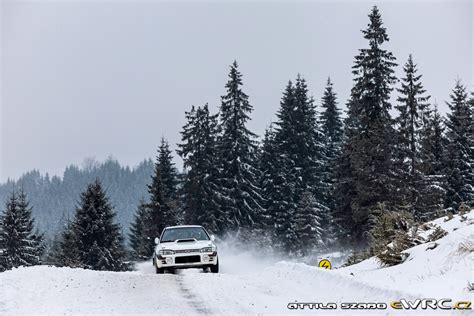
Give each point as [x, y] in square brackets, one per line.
[166, 252]
[209, 249]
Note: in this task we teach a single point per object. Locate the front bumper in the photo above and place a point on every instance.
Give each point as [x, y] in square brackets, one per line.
[188, 260]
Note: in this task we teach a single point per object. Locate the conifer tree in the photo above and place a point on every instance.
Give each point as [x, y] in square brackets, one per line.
[278, 192]
[332, 132]
[68, 254]
[137, 234]
[344, 187]
[433, 162]
[307, 223]
[168, 172]
[162, 206]
[94, 237]
[282, 176]
[331, 122]
[371, 140]
[52, 252]
[434, 143]
[242, 200]
[198, 150]
[308, 151]
[459, 129]
[414, 112]
[269, 172]
[19, 245]
[298, 162]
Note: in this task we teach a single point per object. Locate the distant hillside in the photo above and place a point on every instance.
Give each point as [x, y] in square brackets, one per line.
[54, 198]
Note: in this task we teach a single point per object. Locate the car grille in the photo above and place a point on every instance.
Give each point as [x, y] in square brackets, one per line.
[187, 259]
[186, 251]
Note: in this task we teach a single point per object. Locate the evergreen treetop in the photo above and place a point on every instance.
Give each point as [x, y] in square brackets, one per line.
[459, 129]
[201, 191]
[97, 237]
[162, 206]
[330, 118]
[412, 122]
[19, 244]
[373, 75]
[369, 176]
[241, 198]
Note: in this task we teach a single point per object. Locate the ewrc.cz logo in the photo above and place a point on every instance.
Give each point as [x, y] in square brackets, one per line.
[444, 303]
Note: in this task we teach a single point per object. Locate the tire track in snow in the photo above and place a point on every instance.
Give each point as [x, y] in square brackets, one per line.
[198, 305]
[189, 298]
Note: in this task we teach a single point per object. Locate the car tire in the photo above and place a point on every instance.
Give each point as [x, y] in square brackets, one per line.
[215, 268]
[160, 270]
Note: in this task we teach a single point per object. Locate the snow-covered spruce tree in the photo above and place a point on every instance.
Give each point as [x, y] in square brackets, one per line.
[201, 191]
[307, 223]
[298, 164]
[242, 201]
[344, 187]
[268, 172]
[390, 236]
[52, 252]
[138, 243]
[278, 191]
[162, 206]
[459, 171]
[412, 121]
[332, 132]
[433, 162]
[98, 242]
[384, 230]
[309, 154]
[278, 179]
[68, 254]
[19, 245]
[393, 253]
[371, 143]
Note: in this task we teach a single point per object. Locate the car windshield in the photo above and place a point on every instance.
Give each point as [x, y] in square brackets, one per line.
[173, 234]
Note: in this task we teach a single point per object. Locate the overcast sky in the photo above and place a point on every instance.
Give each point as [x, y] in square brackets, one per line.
[93, 79]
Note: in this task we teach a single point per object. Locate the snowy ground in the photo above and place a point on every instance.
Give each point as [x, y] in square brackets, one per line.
[441, 272]
[246, 285]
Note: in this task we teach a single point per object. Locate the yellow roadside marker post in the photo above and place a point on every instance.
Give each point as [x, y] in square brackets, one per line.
[325, 264]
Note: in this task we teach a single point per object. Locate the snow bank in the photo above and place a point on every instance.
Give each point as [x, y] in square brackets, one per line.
[44, 290]
[269, 291]
[440, 272]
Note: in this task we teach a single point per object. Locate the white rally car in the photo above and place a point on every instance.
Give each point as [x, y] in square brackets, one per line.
[186, 246]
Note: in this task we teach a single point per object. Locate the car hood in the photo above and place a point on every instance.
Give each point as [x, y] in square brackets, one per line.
[185, 245]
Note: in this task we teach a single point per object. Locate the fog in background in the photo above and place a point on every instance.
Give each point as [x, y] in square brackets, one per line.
[94, 78]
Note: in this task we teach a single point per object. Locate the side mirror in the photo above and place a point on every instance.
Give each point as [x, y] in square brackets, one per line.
[213, 238]
[157, 241]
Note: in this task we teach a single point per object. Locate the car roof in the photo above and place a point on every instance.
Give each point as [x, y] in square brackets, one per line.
[183, 226]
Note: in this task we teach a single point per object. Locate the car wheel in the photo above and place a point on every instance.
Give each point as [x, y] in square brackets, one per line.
[215, 268]
[160, 270]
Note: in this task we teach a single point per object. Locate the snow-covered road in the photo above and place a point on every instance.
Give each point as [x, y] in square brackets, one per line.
[246, 285]
[47, 290]
[268, 291]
